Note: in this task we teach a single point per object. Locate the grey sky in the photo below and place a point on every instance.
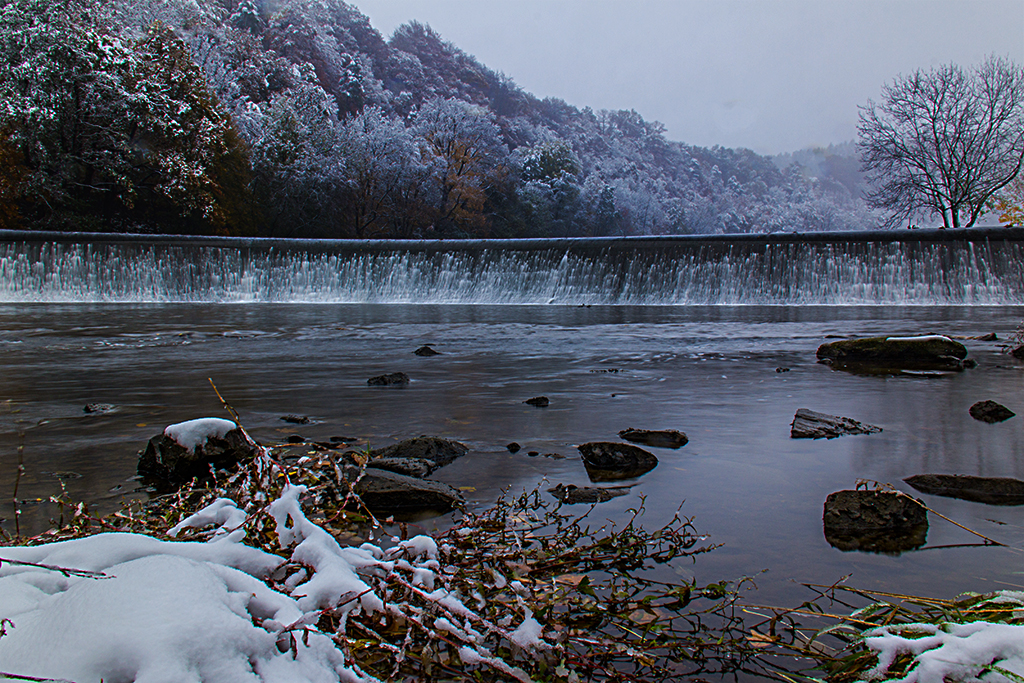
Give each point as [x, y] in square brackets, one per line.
[771, 75]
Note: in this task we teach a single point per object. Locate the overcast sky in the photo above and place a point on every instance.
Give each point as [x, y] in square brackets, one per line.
[771, 75]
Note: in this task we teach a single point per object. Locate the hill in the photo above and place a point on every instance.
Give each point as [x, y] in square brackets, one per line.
[297, 118]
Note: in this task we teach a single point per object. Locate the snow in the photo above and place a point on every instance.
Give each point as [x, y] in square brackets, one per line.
[196, 432]
[951, 652]
[921, 338]
[527, 635]
[167, 611]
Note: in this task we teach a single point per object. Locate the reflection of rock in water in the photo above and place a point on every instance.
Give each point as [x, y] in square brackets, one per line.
[988, 490]
[874, 521]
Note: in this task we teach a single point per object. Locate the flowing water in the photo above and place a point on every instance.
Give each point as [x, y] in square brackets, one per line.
[708, 371]
[145, 327]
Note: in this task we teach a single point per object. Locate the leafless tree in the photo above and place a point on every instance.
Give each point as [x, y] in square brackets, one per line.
[944, 141]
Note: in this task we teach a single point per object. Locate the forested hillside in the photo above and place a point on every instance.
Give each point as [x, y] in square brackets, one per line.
[296, 118]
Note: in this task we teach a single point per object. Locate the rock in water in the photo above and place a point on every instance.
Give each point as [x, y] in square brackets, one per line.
[188, 450]
[874, 521]
[664, 438]
[607, 461]
[392, 379]
[432, 449]
[927, 352]
[383, 491]
[573, 495]
[410, 467]
[988, 490]
[808, 424]
[98, 407]
[425, 350]
[991, 412]
[538, 401]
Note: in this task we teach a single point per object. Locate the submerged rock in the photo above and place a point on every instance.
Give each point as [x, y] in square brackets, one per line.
[874, 521]
[296, 419]
[990, 411]
[538, 401]
[573, 495]
[927, 352]
[808, 424]
[664, 438]
[607, 461]
[988, 490]
[392, 379]
[98, 407]
[190, 449]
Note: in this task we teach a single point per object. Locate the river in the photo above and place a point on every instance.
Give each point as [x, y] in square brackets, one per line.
[710, 371]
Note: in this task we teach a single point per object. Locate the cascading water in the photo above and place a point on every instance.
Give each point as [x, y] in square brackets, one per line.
[977, 267]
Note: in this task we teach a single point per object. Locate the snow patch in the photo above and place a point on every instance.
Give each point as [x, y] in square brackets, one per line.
[921, 338]
[196, 432]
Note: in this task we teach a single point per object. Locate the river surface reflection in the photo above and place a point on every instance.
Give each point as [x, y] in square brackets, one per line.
[707, 371]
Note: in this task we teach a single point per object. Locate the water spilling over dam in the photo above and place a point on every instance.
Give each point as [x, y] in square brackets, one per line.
[920, 267]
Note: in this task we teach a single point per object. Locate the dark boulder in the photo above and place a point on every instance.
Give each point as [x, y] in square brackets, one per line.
[190, 449]
[808, 424]
[296, 419]
[389, 492]
[663, 438]
[513, 447]
[988, 490]
[573, 495]
[607, 461]
[426, 351]
[928, 352]
[392, 379]
[538, 401]
[990, 411]
[874, 521]
[433, 449]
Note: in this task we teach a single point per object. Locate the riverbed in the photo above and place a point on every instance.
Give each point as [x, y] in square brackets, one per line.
[713, 372]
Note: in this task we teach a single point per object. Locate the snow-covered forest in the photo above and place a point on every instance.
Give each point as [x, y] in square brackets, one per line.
[296, 118]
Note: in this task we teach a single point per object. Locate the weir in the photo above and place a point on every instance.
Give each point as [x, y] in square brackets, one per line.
[977, 266]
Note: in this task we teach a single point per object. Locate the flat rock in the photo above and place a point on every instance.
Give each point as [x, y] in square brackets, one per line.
[98, 407]
[296, 419]
[990, 411]
[190, 449]
[808, 424]
[988, 490]
[874, 521]
[925, 352]
[538, 401]
[392, 379]
[608, 461]
[410, 467]
[384, 491]
[573, 495]
[661, 438]
[433, 449]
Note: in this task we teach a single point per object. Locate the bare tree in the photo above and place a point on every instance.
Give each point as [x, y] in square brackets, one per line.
[944, 141]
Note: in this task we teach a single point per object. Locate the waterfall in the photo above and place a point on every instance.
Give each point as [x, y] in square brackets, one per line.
[925, 267]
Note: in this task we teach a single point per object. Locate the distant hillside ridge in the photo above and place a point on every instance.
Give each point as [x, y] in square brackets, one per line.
[296, 118]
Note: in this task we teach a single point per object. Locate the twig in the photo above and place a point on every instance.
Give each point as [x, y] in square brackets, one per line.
[84, 573]
[224, 403]
[17, 482]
